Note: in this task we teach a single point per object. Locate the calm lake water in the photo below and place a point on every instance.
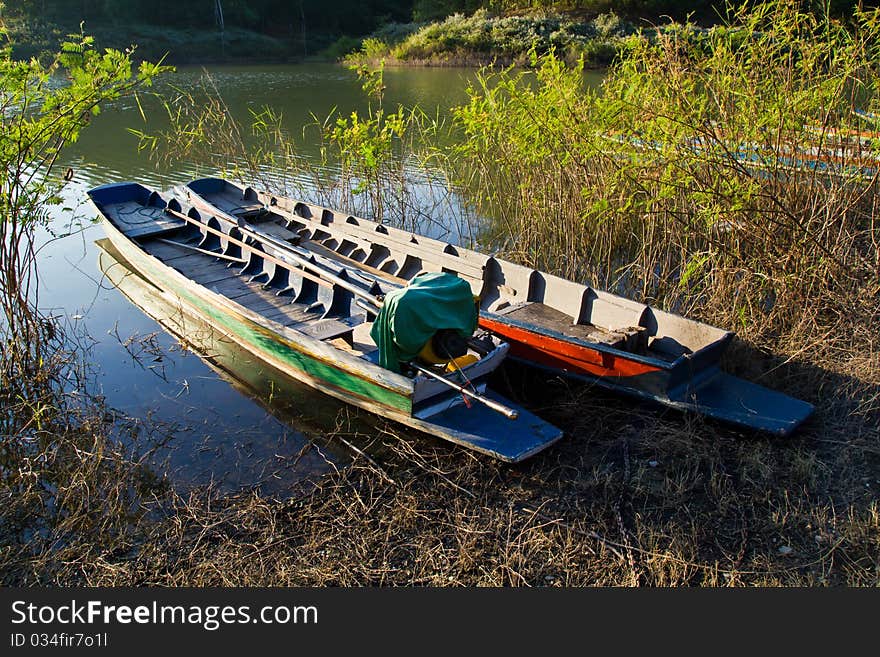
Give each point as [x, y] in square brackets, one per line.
[222, 421]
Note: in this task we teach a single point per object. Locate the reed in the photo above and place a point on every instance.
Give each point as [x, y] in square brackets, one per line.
[674, 183]
[38, 120]
[59, 466]
[372, 162]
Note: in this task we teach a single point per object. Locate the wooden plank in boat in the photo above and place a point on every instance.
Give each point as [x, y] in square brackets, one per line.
[157, 228]
[231, 288]
[324, 329]
[325, 256]
[231, 202]
[317, 247]
[465, 262]
[341, 343]
[207, 279]
[292, 313]
[254, 297]
[200, 268]
[280, 309]
[544, 316]
[243, 208]
[276, 231]
[167, 252]
[432, 252]
[277, 309]
[135, 220]
[204, 269]
[257, 304]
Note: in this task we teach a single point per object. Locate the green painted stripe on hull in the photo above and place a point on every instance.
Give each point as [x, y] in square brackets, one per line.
[267, 343]
[271, 345]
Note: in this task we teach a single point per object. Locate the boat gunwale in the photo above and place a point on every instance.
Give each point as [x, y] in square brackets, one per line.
[660, 363]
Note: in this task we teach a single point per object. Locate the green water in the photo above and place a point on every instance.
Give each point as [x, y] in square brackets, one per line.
[301, 94]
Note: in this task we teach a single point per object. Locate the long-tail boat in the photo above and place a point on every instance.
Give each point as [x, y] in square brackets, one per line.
[310, 319]
[553, 323]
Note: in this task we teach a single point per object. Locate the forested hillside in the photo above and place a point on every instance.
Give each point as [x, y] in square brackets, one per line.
[285, 29]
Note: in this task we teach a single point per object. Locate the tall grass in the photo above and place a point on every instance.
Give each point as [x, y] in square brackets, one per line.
[59, 468]
[673, 182]
[370, 159]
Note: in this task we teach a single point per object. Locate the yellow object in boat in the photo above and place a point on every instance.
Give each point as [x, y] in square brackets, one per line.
[443, 346]
[428, 355]
[461, 362]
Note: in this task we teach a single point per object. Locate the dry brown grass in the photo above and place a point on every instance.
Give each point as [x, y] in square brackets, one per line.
[632, 496]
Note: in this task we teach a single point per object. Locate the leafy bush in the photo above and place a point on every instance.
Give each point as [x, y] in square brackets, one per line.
[511, 37]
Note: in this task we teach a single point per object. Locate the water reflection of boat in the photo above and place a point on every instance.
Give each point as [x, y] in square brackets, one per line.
[308, 324]
[314, 417]
[550, 322]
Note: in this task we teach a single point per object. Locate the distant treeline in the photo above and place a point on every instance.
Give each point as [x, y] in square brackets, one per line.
[281, 18]
[272, 17]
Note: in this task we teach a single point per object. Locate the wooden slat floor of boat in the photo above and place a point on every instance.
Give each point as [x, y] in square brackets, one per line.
[328, 257]
[278, 232]
[217, 277]
[267, 303]
[136, 220]
[555, 320]
[430, 252]
[399, 243]
[371, 273]
[231, 202]
[325, 257]
[239, 290]
[167, 253]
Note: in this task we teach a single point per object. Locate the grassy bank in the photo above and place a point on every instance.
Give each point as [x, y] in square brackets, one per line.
[485, 38]
[630, 497]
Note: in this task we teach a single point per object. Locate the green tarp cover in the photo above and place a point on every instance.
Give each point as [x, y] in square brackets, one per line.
[410, 316]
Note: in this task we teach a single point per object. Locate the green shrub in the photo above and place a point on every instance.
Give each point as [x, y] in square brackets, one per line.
[677, 183]
[511, 37]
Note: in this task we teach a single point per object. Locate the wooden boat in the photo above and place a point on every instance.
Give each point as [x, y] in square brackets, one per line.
[552, 323]
[839, 156]
[303, 318]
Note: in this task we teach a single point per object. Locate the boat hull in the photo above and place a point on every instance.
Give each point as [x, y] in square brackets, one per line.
[347, 378]
[706, 391]
[314, 369]
[554, 324]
